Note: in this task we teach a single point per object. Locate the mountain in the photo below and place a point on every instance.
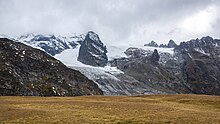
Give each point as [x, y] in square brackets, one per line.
[110, 80]
[149, 67]
[152, 44]
[50, 43]
[200, 61]
[171, 44]
[28, 71]
[92, 51]
[191, 67]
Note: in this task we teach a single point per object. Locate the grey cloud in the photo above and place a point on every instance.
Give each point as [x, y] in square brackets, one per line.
[135, 21]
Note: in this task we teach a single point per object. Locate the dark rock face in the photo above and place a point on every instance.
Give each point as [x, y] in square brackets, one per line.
[201, 65]
[92, 51]
[28, 71]
[152, 44]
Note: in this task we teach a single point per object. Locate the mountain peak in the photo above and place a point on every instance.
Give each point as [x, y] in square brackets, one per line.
[171, 44]
[207, 38]
[50, 43]
[152, 44]
[92, 51]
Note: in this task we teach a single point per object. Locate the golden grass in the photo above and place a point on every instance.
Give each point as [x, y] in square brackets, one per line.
[111, 109]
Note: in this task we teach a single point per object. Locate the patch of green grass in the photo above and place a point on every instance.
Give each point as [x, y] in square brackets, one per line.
[184, 100]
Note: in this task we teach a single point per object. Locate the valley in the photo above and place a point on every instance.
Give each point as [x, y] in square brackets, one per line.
[110, 62]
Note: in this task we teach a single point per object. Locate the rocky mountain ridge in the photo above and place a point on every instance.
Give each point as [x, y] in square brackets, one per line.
[171, 44]
[193, 68]
[51, 44]
[31, 72]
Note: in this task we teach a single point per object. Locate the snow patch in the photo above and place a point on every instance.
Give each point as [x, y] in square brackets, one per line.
[116, 52]
[202, 51]
[189, 55]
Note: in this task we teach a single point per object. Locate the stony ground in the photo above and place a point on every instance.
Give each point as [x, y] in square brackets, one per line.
[111, 109]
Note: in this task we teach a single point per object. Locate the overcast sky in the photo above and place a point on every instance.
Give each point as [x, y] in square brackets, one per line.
[116, 21]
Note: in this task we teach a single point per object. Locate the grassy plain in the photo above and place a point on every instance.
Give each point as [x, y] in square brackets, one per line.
[150, 109]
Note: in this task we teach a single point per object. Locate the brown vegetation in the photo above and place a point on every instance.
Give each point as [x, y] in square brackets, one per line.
[111, 109]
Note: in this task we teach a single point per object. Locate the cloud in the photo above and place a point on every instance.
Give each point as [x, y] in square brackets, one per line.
[116, 21]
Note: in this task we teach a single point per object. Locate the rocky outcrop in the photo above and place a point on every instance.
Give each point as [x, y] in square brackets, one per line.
[92, 51]
[28, 71]
[155, 56]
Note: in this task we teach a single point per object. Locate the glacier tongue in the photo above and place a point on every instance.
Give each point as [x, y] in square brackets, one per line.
[110, 80]
[112, 83]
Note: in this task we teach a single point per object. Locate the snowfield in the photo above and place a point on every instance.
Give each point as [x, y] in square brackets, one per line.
[69, 58]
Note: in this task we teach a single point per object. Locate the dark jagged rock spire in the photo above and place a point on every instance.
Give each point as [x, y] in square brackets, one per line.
[93, 51]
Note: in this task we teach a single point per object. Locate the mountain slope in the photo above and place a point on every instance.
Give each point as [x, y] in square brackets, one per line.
[192, 68]
[28, 71]
[200, 61]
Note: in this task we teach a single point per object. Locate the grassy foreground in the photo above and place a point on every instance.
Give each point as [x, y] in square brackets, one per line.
[111, 109]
